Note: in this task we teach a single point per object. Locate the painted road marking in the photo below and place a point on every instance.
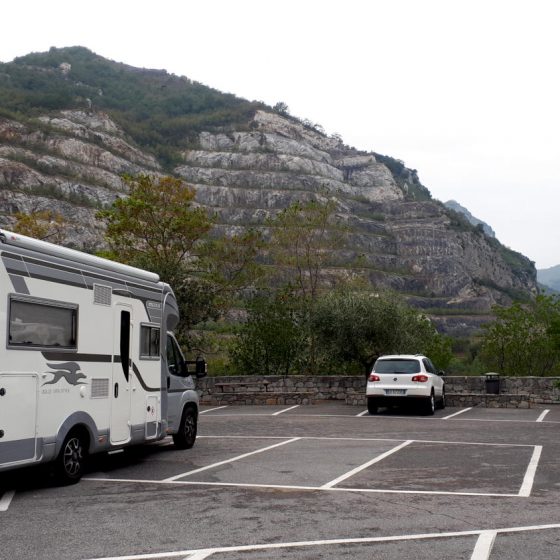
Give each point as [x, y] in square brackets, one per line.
[391, 417]
[541, 417]
[365, 465]
[326, 438]
[484, 545]
[527, 485]
[211, 409]
[524, 491]
[299, 488]
[199, 555]
[362, 413]
[6, 500]
[233, 459]
[457, 413]
[205, 552]
[285, 410]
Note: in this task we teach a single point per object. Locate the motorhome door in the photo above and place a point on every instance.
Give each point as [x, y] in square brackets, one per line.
[18, 415]
[121, 393]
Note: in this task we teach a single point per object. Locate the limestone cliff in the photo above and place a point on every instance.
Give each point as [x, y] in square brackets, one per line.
[71, 160]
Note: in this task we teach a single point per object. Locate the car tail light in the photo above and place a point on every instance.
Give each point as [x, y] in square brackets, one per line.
[373, 377]
[420, 378]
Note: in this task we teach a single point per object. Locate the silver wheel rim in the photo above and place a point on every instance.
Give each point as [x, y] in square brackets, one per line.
[73, 456]
[190, 427]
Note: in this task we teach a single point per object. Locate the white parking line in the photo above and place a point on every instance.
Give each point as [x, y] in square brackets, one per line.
[205, 552]
[199, 555]
[232, 460]
[527, 485]
[457, 413]
[541, 417]
[285, 410]
[211, 409]
[365, 465]
[326, 438]
[362, 413]
[484, 545]
[390, 417]
[6, 500]
[300, 488]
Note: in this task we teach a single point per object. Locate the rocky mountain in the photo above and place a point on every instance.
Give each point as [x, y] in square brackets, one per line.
[454, 205]
[71, 123]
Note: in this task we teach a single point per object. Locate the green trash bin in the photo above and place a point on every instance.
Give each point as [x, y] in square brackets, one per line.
[492, 383]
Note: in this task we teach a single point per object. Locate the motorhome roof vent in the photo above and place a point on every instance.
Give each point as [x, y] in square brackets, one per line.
[102, 294]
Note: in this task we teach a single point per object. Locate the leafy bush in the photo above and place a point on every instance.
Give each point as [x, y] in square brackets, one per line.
[273, 339]
[524, 339]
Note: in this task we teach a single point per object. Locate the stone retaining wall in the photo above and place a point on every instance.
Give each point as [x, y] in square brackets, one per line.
[515, 392]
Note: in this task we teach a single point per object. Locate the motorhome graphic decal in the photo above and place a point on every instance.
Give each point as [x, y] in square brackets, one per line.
[70, 371]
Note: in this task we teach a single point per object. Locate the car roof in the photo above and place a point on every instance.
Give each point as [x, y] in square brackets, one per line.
[402, 357]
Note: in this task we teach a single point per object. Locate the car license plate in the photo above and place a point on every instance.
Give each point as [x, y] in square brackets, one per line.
[395, 392]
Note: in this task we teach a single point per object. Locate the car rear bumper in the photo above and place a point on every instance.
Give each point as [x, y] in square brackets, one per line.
[381, 391]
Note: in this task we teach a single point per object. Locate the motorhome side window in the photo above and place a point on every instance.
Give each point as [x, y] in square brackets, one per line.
[42, 324]
[149, 342]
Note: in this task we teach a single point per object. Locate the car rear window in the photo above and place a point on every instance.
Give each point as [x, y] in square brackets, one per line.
[397, 366]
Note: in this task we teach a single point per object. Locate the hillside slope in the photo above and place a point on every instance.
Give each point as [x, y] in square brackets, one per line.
[72, 122]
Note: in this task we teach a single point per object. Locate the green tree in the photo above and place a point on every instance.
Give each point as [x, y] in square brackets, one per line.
[523, 340]
[159, 228]
[303, 237]
[156, 227]
[281, 108]
[46, 225]
[355, 328]
[272, 340]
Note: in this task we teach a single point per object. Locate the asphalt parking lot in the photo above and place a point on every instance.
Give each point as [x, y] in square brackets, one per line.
[307, 482]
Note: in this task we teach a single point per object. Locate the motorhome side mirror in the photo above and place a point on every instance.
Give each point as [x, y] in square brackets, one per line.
[201, 367]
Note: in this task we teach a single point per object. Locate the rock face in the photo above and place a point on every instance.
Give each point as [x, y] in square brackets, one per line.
[72, 164]
[72, 161]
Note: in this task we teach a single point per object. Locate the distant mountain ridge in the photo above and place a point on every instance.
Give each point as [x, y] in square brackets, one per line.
[454, 205]
[72, 122]
[550, 277]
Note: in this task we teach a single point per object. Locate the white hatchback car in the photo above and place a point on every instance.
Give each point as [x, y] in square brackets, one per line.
[405, 379]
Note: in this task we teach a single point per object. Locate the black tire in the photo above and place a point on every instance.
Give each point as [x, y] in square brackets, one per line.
[186, 436]
[442, 402]
[70, 463]
[429, 404]
[372, 406]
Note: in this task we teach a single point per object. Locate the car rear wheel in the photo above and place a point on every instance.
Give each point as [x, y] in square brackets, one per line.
[430, 405]
[372, 406]
[442, 401]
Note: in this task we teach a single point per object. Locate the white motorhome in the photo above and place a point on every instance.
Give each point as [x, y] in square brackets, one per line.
[89, 362]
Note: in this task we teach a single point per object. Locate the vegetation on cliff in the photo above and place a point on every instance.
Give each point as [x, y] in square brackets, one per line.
[160, 111]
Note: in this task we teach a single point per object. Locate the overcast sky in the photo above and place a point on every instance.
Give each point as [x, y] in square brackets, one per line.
[466, 92]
